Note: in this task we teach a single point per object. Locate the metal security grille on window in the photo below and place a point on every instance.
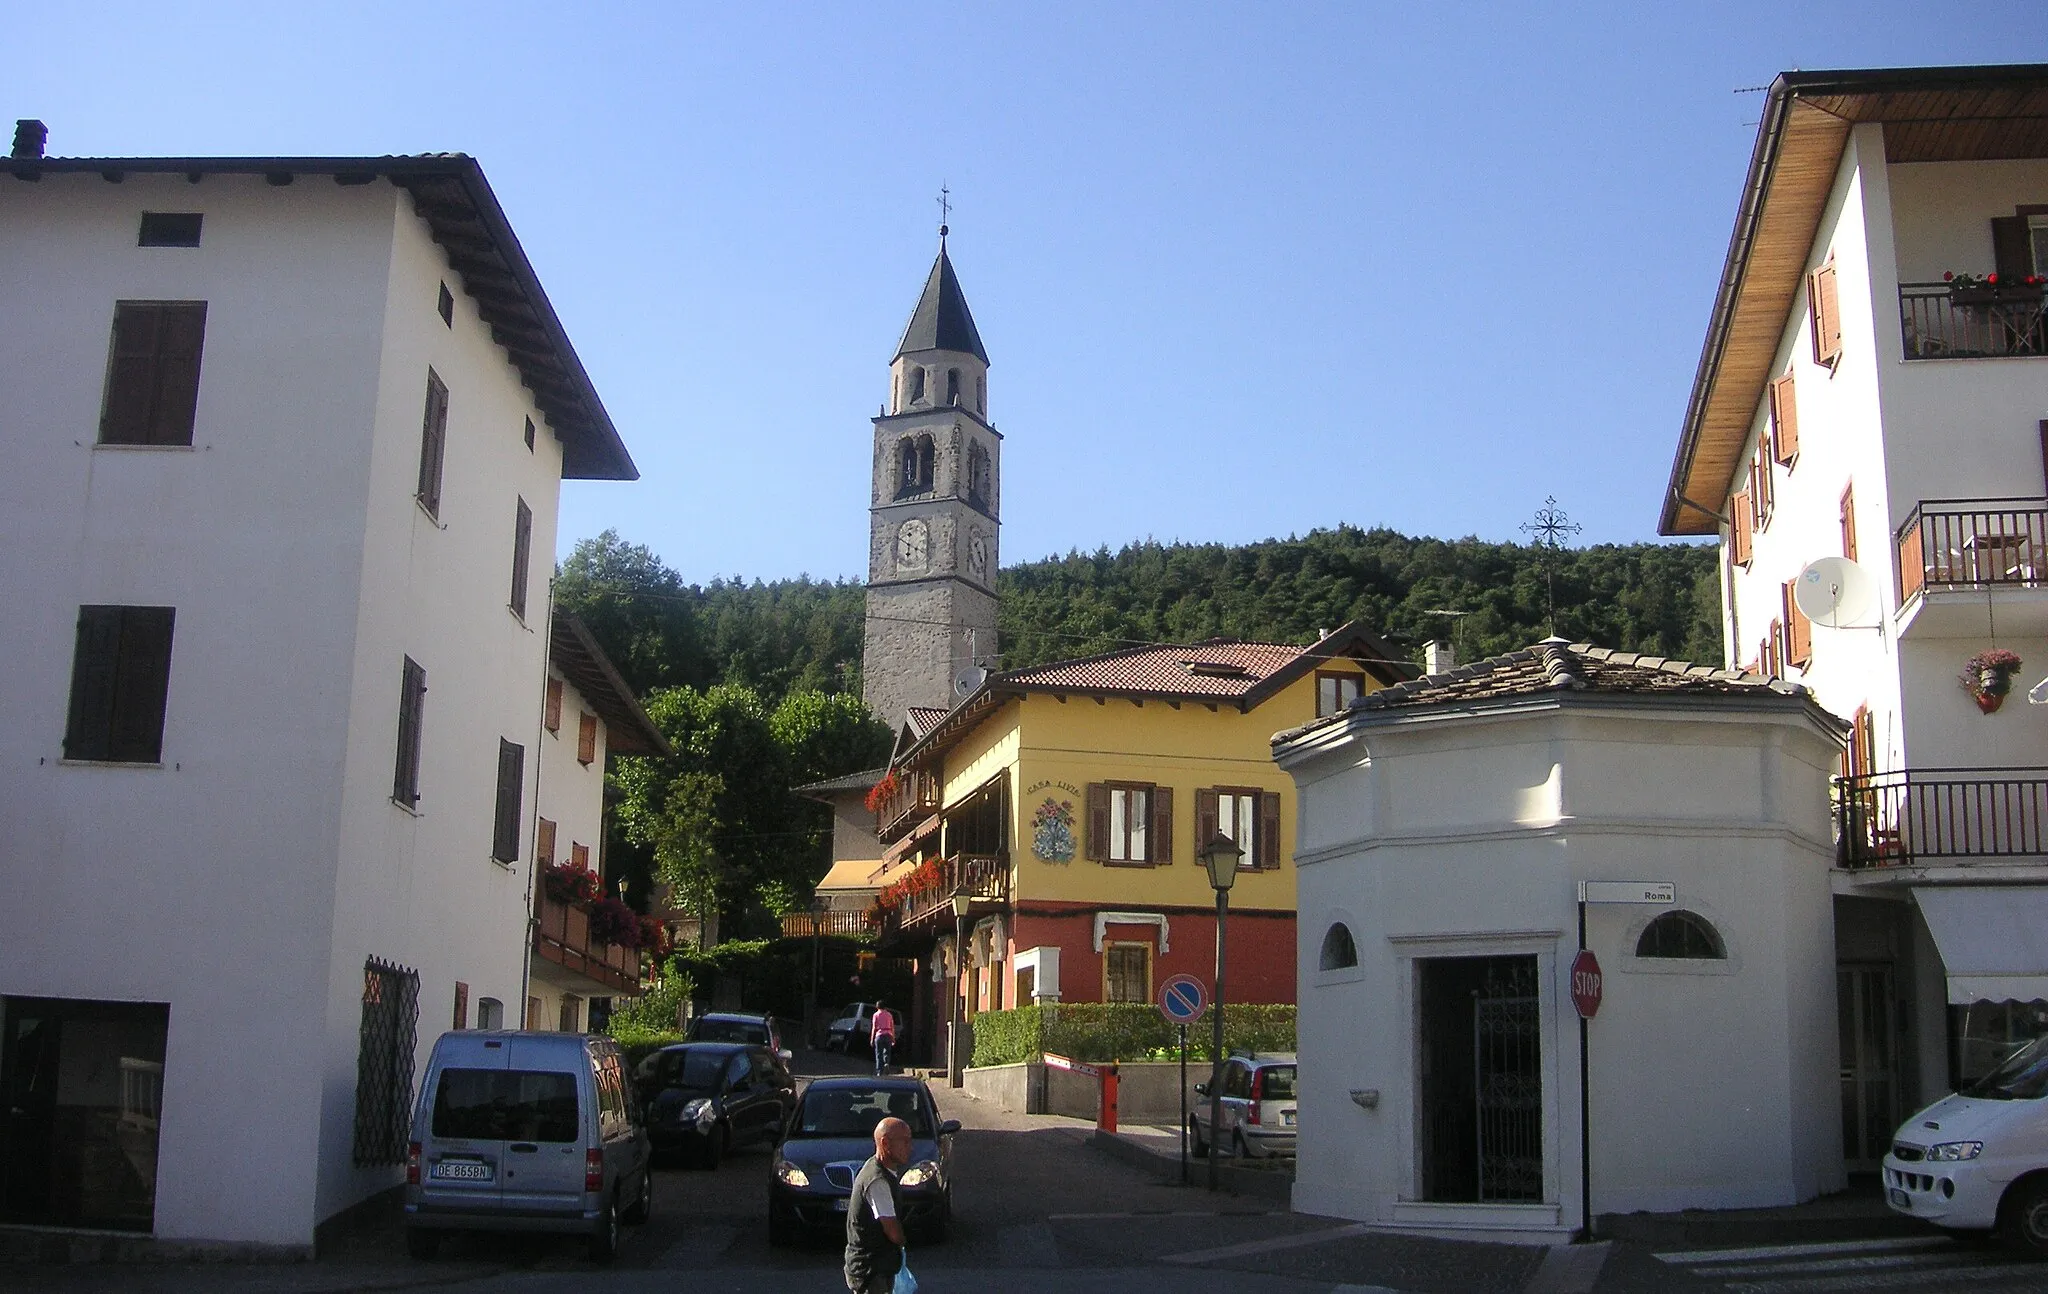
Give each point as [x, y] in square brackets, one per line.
[384, 1048]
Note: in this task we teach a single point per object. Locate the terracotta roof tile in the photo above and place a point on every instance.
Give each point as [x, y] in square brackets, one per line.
[1221, 669]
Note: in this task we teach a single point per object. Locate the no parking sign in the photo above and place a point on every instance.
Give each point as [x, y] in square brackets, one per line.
[1183, 999]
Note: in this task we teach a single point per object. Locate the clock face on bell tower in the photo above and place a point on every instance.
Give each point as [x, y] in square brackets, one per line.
[934, 512]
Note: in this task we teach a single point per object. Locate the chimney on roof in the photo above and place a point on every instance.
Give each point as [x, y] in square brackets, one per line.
[29, 137]
[1438, 657]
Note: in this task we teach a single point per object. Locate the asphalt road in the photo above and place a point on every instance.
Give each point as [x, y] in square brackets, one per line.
[1038, 1209]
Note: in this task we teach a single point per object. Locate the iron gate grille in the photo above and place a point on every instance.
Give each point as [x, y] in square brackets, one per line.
[1508, 1079]
[391, 997]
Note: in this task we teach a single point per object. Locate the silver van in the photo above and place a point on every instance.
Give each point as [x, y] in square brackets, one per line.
[526, 1132]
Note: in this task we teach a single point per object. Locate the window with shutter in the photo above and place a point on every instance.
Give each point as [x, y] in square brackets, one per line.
[1784, 421]
[1774, 650]
[120, 684]
[1242, 814]
[1739, 521]
[2012, 249]
[462, 1005]
[1849, 521]
[551, 712]
[579, 855]
[445, 306]
[522, 542]
[433, 444]
[511, 784]
[412, 700]
[1096, 844]
[152, 395]
[1824, 314]
[170, 229]
[544, 841]
[1122, 823]
[529, 433]
[586, 737]
[1763, 494]
[1269, 830]
[1162, 824]
[1798, 629]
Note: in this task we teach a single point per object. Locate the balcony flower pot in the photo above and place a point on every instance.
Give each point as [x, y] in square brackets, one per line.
[1987, 677]
[1969, 292]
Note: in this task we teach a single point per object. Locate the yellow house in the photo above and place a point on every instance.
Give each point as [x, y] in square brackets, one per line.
[1068, 801]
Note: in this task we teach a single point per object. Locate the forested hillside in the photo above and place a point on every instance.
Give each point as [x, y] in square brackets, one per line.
[804, 634]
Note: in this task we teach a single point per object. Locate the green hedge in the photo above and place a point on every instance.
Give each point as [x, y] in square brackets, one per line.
[1121, 1031]
[639, 1043]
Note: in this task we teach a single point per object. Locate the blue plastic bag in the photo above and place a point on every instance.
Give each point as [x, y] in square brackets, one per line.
[905, 1282]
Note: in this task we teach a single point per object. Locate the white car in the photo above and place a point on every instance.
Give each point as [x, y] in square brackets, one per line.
[851, 1028]
[1978, 1160]
[1258, 1107]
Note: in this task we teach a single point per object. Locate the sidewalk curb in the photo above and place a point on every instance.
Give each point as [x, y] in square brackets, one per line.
[1250, 1182]
[1705, 1230]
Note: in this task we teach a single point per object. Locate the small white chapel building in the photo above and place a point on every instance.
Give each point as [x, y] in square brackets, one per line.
[1446, 824]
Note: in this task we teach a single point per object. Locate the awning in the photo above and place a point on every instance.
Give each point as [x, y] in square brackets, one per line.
[852, 874]
[1993, 940]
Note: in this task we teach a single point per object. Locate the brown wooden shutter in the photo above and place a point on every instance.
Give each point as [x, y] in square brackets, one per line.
[551, 715]
[522, 541]
[511, 781]
[1098, 822]
[1205, 818]
[412, 697]
[131, 376]
[544, 841]
[93, 661]
[1798, 629]
[1739, 521]
[461, 1005]
[180, 337]
[586, 737]
[579, 855]
[1849, 521]
[433, 443]
[1160, 838]
[1784, 421]
[2012, 247]
[1268, 842]
[1825, 314]
[1774, 649]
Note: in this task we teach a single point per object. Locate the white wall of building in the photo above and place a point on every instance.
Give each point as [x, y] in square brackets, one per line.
[1713, 1083]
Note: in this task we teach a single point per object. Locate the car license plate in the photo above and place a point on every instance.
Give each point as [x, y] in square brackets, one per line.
[1287, 1117]
[1900, 1199]
[839, 1206]
[463, 1170]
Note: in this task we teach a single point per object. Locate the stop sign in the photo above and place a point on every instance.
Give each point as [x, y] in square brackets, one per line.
[1586, 983]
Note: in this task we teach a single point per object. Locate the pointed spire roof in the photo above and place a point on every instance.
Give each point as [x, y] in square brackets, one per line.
[942, 320]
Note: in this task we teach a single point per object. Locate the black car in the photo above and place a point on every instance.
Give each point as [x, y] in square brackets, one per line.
[832, 1134]
[728, 1026]
[703, 1098]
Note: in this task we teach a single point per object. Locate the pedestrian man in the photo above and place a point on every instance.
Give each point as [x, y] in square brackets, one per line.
[882, 1034]
[874, 1230]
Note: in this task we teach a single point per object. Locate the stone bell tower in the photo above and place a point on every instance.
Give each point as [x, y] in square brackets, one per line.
[934, 507]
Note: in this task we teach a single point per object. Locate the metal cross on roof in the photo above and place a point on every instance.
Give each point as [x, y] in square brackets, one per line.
[945, 201]
[1547, 531]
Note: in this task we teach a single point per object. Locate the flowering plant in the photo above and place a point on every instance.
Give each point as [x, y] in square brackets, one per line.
[613, 922]
[1992, 282]
[565, 882]
[882, 792]
[1987, 677]
[927, 875]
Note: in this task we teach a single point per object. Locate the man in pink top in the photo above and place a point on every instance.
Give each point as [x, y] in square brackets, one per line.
[882, 1033]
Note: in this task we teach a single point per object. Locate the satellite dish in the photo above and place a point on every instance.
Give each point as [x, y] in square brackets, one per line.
[968, 680]
[1836, 593]
[2038, 694]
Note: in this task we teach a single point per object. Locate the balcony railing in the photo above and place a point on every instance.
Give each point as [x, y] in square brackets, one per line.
[563, 937]
[803, 925]
[1930, 814]
[986, 877]
[916, 798]
[1946, 543]
[1945, 322]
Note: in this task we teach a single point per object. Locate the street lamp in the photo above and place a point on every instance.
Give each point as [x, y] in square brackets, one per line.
[819, 905]
[962, 900]
[1219, 855]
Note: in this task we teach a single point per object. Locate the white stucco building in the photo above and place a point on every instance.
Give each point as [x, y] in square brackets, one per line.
[1865, 393]
[1445, 826]
[284, 443]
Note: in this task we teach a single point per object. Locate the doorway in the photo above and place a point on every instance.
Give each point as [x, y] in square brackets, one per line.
[1867, 1017]
[1479, 1038]
[81, 1094]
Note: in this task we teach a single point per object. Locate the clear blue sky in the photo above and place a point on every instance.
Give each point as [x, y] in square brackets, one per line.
[1241, 270]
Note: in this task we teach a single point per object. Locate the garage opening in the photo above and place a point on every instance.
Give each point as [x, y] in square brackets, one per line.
[1480, 1047]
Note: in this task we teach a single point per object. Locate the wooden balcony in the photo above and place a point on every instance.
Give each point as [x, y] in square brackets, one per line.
[563, 937]
[985, 877]
[1941, 321]
[1972, 543]
[1921, 815]
[803, 925]
[916, 798]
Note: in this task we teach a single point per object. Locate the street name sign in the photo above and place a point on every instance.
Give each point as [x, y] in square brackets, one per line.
[1628, 892]
[1183, 999]
[1586, 983]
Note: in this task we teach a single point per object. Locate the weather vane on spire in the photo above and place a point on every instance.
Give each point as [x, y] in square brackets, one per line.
[945, 201]
[1547, 532]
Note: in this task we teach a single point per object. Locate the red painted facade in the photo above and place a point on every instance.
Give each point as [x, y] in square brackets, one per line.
[1260, 958]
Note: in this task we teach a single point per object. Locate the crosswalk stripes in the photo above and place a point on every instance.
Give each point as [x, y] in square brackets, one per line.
[1898, 1262]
